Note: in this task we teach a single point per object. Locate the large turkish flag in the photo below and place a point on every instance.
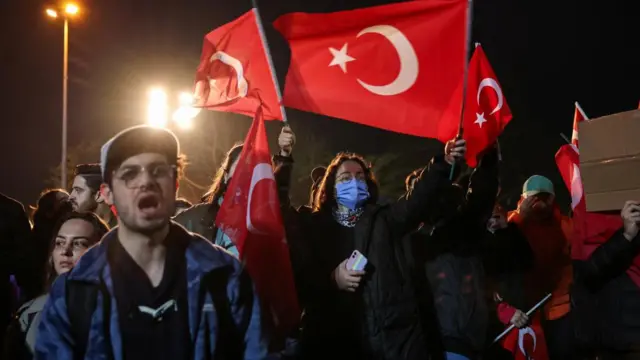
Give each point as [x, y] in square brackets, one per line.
[234, 73]
[391, 66]
[250, 215]
[486, 111]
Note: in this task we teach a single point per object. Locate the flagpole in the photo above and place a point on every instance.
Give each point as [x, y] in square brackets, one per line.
[531, 311]
[581, 111]
[465, 73]
[267, 52]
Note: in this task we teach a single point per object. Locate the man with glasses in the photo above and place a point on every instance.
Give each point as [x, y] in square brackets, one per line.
[160, 291]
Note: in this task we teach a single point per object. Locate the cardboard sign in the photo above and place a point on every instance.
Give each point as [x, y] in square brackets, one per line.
[610, 160]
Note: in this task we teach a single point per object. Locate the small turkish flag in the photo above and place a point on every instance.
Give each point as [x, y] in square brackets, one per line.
[527, 343]
[234, 73]
[391, 66]
[486, 112]
[250, 215]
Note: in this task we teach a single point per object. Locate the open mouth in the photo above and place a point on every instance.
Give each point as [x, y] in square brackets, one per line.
[148, 202]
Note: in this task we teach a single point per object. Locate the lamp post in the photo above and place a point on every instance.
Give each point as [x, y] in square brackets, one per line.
[67, 11]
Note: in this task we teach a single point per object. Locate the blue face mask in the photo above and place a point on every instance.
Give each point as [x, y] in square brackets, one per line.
[352, 193]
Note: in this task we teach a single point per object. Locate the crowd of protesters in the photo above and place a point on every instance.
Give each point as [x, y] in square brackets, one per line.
[119, 267]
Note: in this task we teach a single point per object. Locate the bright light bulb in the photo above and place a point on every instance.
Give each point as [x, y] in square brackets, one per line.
[158, 109]
[183, 117]
[52, 13]
[71, 9]
[185, 99]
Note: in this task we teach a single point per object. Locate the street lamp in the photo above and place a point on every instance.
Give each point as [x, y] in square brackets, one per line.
[66, 11]
[158, 110]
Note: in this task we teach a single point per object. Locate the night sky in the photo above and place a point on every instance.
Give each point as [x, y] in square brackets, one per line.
[545, 56]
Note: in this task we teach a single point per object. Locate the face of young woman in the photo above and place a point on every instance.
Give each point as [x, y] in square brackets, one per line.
[73, 239]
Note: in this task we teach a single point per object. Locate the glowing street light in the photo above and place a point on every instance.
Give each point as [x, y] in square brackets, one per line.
[52, 13]
[157, 109]
[184, 115]
[67, 11]
[71, 9]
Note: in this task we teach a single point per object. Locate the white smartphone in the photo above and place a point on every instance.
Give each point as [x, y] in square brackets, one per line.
[357, 261]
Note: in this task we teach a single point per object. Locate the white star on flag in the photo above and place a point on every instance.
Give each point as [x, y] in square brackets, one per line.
[480, 119]
[340, 58]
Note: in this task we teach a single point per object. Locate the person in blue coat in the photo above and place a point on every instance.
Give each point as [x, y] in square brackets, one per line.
[150, 289]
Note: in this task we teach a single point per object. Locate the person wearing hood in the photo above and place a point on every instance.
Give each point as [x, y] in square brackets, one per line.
[548, 232]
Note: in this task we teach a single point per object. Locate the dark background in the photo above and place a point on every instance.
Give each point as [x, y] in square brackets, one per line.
[546, 56]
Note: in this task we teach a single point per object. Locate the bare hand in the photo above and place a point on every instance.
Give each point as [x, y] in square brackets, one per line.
[286, 140]
[631, 217]
[526, 205]
[347, 280]
[519, 319]
[454, 150]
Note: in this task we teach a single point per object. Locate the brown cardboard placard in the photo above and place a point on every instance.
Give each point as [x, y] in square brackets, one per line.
[610, 160]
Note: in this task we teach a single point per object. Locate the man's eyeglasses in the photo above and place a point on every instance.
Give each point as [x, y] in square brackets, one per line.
[132, 175]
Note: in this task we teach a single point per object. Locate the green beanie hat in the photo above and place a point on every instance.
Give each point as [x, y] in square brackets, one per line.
[537, 184]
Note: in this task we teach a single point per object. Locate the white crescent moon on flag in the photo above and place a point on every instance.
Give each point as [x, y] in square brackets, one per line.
[494, 85]
[408, 61]
[243, 86]
[262, 171]
[521, 333]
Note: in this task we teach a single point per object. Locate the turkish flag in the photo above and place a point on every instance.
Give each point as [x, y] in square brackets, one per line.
[392, 66]
[234, 73]
[250, 215]
[527, 343]
[486, 112]
[590, 229]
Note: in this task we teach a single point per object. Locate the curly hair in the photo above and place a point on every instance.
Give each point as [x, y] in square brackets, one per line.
[325, 195]
[218, 186]
[100, 228]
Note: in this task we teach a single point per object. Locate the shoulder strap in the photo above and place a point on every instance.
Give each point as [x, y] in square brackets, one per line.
[230, 340]
[81, 302]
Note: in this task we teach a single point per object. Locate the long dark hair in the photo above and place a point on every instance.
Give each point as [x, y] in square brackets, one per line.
[325, 195]
[99, 229]
[218, 186]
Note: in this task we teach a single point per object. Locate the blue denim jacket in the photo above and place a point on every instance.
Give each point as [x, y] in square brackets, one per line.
[56, 342]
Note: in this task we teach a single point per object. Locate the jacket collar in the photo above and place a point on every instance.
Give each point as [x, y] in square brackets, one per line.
[201, 256]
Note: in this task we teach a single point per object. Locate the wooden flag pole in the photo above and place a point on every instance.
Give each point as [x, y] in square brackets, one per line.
[465, 74]
[267, 53]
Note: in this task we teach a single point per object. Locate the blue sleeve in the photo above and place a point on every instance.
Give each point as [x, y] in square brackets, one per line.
[54, 333]
[245, 307]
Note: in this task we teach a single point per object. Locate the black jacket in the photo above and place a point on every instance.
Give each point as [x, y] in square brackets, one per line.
[385, 305]
[605, 302]
[452, 254]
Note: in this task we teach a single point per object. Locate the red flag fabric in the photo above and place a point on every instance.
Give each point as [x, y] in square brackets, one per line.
[250, 215]
[391, 66]
[234, 73]
[578, 116]
[590, 230]
[486, 111]
[527, 343]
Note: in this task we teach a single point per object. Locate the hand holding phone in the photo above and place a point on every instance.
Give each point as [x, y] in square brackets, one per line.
[345, 275]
